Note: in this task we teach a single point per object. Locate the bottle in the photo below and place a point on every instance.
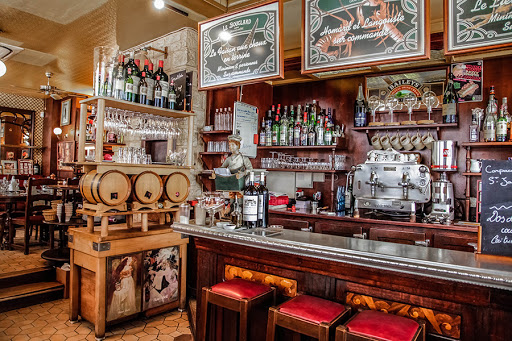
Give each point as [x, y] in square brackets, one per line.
[311, 136]
[291, 126]
[172, 96]
[313, 113]
[131, 68]
[263, 133]
[268, 129]
[504, 106]
[360, 116]
[283, 133]
[143, 89]
[119, 79]
[296, 128]
[304, 128]
[37, 168]
[158, 93]
[276, 129]
[236, 215]
[263, 202]
[136, 75]
[150, 82]
[328, 137]
[319, 134]
[128, 86]
[250, 203]
[164, 84]
[501, 124]
[489, 126]
[450, 100]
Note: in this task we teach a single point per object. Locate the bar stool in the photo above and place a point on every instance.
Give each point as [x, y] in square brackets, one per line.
[375, 325]
[308, 315]
[239, 295]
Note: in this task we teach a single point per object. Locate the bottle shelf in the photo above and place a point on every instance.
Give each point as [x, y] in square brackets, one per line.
[300, 147]
[486, 144]
[471, 174]
[326, 171]
[216, 132]
[106, 144]
[409, 126]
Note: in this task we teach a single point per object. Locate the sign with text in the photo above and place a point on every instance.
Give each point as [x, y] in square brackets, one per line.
[246, 123]
[241, 47]
[474, 25]
[349, 33]
[496, 219]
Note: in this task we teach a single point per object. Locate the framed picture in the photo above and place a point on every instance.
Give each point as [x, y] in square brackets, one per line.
[25, 167]
[123, 285]
[161, 277]
[9, 167]
[65, 112]
[65, 153]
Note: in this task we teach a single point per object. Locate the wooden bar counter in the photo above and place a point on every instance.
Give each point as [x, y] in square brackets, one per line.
[460, 295]
[90, 255]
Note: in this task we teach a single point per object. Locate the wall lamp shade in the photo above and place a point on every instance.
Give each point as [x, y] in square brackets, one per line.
[159, 4]
[3, 69]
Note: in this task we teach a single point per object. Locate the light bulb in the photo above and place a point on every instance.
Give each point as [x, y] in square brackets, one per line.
[57, 131]
[225, 35]
[159, 4]
[3, 69]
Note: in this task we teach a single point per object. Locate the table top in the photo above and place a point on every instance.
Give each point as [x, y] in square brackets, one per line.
[13, 196]
[65, 187]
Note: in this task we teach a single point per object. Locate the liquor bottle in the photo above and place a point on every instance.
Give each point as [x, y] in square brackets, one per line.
[296, 128]
[128, 86]
[501, 124]
[158, 93]
[328, 137]
[313, 113]
[172, 96]
[304, 128]
[148, 69]
[268, 129]
[360, 116]
[37, 168]
[143, 89]
[276, 129]
[119, 79]
[311, 136]
[283, 133]
[263, 202]
[263, 133]
[164, 84]
[450, 100]
[504, 107]
[230, 120]
[489, 126]
[319, 133]
[250, 203]
[291, 126]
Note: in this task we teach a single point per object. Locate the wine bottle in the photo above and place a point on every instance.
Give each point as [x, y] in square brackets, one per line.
[143, 89]
[119, 79]
[250, 203]
[148, 69]
[501, 124]
[128, 86]
[172, 96]
[164, 84]
[263, 202]
[158, 92]
[268, 128]
[136, 75]
[489, 127]
[360, 116]
[450, 100]
[263, 135]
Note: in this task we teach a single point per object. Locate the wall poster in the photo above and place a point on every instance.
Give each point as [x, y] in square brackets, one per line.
[241, 47]
[474, 25]
[341, 34]
[161, 277]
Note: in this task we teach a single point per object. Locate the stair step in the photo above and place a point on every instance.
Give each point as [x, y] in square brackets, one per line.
[29, 294]
[43, 274]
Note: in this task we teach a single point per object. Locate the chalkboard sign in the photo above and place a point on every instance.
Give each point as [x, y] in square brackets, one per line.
[496, 220]
[241, 47]
[180, 82]
[348, 33]
[246, 123]
[474, 25]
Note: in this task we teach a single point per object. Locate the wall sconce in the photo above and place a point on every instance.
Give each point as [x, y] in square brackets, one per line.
[3, 68]
[57, 131]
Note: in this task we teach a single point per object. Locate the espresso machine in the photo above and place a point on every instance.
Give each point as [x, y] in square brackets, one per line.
[444, 160]
[392, 182]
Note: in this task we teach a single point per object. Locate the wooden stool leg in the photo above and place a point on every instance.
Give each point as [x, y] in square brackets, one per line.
[340, 333]
[271, 324]
[244, 311]
[104, 226]
[27, 238]
[323, 332]
[203, 316]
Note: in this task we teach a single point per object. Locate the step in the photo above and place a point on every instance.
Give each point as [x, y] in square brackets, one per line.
[29, 294]
[43, 274]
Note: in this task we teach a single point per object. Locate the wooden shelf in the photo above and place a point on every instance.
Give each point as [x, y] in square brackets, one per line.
[413, 126]
[218, 132]
[20, 146]
[472, 174]
[300, 147]
[486, 144]
[213, 153]
[121, 104]
[105, 144]
[329, 171]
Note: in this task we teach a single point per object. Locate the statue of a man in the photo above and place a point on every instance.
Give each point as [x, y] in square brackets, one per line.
[236, 162]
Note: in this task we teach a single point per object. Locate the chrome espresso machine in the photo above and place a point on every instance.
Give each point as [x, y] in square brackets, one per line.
[391, 182]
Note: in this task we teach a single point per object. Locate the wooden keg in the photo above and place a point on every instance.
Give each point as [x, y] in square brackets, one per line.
[176, 187]
[147, 187]
[110, 188]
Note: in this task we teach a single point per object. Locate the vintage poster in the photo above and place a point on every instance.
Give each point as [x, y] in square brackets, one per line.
[161, 277]
[342, 33]
[123, 285]
[467, 80]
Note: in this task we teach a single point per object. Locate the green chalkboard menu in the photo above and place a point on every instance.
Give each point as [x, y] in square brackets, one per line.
[475, 25]
[496, 218]
[341, 34]
[241, 47]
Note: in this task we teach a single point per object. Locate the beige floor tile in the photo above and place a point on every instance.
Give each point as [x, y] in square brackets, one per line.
[148, 338]
[165, 338]
[130, 337]
[12, 331]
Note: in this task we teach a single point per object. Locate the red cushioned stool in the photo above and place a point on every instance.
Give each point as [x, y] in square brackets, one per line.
[238, 295]
[376, 325]
[307, 315]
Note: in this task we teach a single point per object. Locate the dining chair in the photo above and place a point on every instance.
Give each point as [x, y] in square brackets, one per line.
[35, 203]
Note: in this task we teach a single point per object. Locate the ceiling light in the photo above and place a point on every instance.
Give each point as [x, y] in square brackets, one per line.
[3, 69]
[225, 35]
[159, 4]
[57, 131]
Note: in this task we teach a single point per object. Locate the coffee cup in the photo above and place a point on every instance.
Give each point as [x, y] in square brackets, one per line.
[427, 140]
[395, 142]
[475, 166]
[376, 142]
[416, 141]
[385, 142]
[405, 141]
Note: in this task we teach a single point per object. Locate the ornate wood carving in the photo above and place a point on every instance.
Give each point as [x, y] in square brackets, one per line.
[436, 322]
[285, 286]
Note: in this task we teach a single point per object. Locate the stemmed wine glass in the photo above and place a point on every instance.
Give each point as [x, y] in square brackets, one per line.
[392, 103]
[374, 103]
[430, 100]
[212, 202]
[411, 102]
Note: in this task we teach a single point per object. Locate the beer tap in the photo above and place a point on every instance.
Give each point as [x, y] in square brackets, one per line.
[405, 183]
[374, 182]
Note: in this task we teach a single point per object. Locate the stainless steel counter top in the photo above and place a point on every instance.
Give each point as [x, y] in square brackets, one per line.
[444, 264]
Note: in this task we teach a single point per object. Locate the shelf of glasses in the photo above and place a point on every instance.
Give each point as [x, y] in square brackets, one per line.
[330, 171]
[486, 144]
[122, 104]
[217, 132]
[301, 147]
[105, 144]
[409, 126]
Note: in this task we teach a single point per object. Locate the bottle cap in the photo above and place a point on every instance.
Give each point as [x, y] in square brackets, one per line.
[146, 62]
[143, 73]
[161, 63]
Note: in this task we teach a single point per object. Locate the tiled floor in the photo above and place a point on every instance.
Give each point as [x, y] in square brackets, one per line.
[50, 321]
[15, 260]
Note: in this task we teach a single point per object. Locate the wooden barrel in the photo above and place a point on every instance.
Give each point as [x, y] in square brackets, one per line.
[110, 188]
[147, 187]
[176, 187]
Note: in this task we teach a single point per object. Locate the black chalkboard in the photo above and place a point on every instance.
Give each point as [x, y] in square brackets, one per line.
[348, 33]
[496, 218]
[241, 47]
[474, 25]
[180, 82]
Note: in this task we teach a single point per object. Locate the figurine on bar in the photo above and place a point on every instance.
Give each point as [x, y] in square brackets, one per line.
[232, 178]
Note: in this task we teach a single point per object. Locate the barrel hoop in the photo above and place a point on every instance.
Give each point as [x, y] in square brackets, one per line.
[96, 199]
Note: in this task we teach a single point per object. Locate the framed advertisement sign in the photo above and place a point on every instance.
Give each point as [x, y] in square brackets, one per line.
[339, 34]
[474, 25]
[242, 47]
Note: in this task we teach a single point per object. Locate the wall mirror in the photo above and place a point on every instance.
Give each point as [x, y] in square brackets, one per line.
[16, 133]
